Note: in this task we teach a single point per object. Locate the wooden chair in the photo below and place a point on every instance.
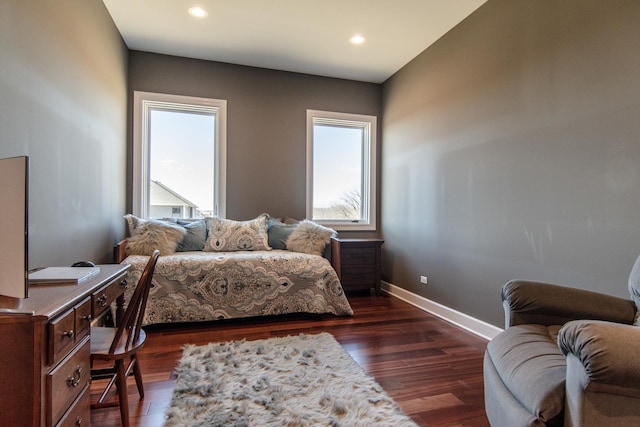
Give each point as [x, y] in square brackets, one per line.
[116, 345]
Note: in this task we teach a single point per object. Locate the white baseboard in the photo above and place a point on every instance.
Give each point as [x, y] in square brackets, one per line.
[464, 321]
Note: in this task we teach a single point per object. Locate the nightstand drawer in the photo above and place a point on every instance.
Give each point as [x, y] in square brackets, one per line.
[358, 256]
[361, 276]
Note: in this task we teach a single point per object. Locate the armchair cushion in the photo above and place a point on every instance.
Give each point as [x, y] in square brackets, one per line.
[531, 366]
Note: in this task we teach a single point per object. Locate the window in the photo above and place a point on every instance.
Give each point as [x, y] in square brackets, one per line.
[179, 156]
[341, 170]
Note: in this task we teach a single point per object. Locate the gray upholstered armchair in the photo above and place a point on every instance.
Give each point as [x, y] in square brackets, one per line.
[566, 357]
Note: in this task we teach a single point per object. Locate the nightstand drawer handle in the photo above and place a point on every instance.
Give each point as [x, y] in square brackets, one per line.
[68, 334]
[73, 381]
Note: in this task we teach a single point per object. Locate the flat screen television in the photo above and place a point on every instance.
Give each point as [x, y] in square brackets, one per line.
[14, 224]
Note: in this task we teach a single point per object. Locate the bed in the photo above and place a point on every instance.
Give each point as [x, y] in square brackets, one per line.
[201, 285]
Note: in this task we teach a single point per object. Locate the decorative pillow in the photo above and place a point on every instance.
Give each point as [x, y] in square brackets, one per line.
[133, 222]
[279, 233]
[309, 238]
[226, 235]
[195, 236]
[150, 234]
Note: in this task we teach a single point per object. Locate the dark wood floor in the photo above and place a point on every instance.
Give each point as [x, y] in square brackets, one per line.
[430, 367]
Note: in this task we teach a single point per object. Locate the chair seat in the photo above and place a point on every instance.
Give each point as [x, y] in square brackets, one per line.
[102, 338]
[532, 367]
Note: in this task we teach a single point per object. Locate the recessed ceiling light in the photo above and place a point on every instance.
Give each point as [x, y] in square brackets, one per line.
[198, 12]
[357, 39]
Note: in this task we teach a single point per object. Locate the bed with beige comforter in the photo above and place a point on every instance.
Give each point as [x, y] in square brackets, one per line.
[201, 286]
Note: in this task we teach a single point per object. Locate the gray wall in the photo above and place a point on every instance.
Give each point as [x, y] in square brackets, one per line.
[63, 98]
[266, 122]
[511, 149]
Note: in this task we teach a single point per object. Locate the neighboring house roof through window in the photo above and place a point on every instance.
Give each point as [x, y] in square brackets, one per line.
[161, 195]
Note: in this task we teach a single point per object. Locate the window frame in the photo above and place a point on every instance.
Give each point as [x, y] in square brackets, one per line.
[143, 102]
[369, 174]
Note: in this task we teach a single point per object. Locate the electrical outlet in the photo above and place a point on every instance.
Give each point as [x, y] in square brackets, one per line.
[423, 279]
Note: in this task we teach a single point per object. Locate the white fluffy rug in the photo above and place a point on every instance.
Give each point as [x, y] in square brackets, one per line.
[305, 380]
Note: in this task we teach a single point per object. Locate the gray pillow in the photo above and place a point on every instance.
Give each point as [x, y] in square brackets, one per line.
[279, 233]
[195, 237]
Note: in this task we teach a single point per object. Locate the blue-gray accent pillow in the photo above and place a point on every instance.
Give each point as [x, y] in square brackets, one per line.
[279, 233]
[195, 237]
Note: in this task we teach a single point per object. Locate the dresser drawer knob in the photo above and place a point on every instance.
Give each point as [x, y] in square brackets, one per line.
[88, 318]
[78, 422]
[73, 381]
[102, 301]
[69, 333]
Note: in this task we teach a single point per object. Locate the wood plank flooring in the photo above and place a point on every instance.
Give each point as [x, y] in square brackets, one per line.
[431, 368]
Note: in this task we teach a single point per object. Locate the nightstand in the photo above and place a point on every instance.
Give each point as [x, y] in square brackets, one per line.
[357, 262]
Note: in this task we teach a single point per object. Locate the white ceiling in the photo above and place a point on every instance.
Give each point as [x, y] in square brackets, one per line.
[305, 36]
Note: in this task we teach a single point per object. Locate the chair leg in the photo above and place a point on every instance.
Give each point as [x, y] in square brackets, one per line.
[121, 384]
[137, 374]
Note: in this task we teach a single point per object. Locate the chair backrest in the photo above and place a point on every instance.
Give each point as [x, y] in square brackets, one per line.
[128, 331]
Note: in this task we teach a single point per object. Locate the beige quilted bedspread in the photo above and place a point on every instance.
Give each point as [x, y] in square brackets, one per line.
[200, 286]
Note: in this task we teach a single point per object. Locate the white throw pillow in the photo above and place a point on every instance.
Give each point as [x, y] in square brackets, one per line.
[149, 235]
[309, 238]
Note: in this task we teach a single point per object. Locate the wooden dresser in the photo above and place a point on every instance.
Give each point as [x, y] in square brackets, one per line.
[357, 262]
[45, 352]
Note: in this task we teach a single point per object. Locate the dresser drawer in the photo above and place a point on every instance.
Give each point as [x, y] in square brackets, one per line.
[69, 329]
[61, 336]
[82, 314]
[68, 380]
[358, 256]
[102, 298]
[79, 414]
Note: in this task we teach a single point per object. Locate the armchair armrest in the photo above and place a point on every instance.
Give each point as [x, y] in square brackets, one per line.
[608, 353]
[549, 304]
